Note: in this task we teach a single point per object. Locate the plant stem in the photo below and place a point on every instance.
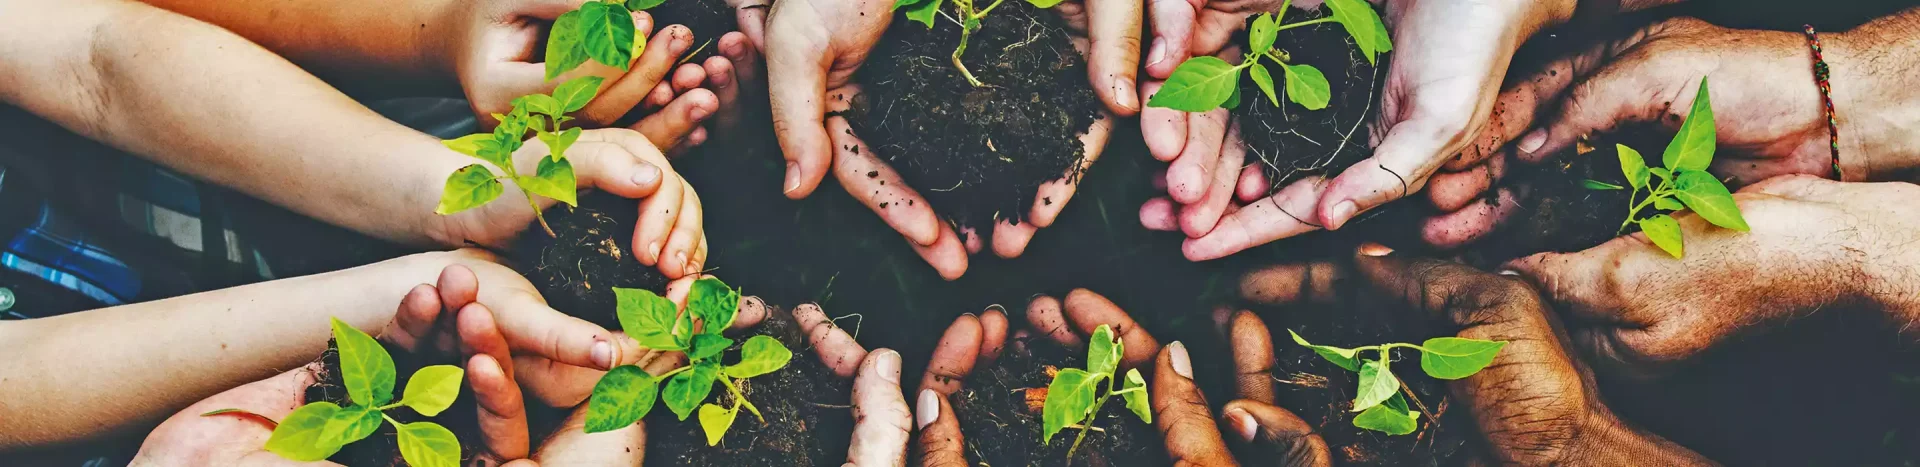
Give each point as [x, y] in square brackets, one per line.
[1087, 424]
[741, 399]
[384, 408]
[537, 215]
[1304, 23]
[983, 13]
[965, 33]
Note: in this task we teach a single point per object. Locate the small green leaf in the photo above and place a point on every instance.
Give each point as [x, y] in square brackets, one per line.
[553, 179]
[1069, 400]
[1391, 417]
[1233, 101]
[559, 141]
[574, 94]
[646, 317]
[638, 5]
[470, 144]
[688, 388]
[511, 132]
[1264, 79]
[1661, 172]
[1668, 204]
[1377, 383]
[759, 356]
[898, 4]
[364, 365]
[715, 421]
[348, 425]
[622, 397]
[541, 104]
[1665, 233]
[1364, 25]
[427, 444]
[564, 50]
[707, 346]
[298, 435]
[1342, 357]
[1103, 352]
[467, 188]
[1592, 184]
[1633, 166]
[1710, 199]
[923, 11]
[1692, 148]
[1455, 357]
[1044, 4]
[1137, 400]
[1307, 86]
[606, 31]
[432, 389]
[1200, 84]
[1265, 30]
[713, 303]
[683, 330]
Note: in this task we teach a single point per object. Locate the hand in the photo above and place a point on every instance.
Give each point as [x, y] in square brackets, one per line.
[881, 417]
[1535, 404]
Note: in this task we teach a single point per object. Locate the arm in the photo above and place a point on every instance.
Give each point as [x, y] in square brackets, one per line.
[396, 46]
[1871, 65]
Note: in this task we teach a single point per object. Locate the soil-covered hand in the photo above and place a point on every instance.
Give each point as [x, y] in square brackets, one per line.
[882, 422]
[1817, 246]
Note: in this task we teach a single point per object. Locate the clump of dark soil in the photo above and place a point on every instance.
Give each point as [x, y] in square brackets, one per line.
[382, 448]
[977, 153]
[709, 19]
[592, 253]
[1557, 212]
[1293, 142]
[808, 419]
[1002, 426]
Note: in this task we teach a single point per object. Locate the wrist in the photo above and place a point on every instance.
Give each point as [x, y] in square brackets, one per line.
[1604, 439]
[1874, 109]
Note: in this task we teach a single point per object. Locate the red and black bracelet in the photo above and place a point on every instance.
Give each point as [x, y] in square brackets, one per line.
[1820, 75]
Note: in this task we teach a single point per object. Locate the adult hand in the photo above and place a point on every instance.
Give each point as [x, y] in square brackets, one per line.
[882, 423]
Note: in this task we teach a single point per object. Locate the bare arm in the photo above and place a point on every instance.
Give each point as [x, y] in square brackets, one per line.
[389, 45]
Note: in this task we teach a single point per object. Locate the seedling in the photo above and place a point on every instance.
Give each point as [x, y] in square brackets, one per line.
[965, 15]
[1205, 83]
[1075, 396]
[317, 430]
[626, 394]
[1379, 399]
[1684, 182]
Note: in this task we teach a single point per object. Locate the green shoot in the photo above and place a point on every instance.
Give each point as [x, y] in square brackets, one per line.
[317, 430]
[1206, 83]
[1379, 399]
[599, 30]
[626, 394]
[1075, 396]
[1684, 182]
[965, 15]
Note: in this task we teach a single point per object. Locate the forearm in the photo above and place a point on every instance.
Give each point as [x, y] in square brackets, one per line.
[1551, 13]
[392, 46]
[154, 358]
[1605, 440]
[1877, 109]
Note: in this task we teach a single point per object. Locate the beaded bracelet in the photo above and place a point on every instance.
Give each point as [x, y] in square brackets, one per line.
[1820, 75]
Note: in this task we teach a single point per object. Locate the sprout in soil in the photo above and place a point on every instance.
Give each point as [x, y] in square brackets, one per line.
[1075, 396]
[319, 429]
[602, 31]
[1205, 83]
[968, 19]
[626, 393]
[1684, 182]
[1378, 400]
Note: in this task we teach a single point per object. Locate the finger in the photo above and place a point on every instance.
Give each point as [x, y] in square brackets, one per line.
[1579, 281]
[941, 442]
[503, 413]
[669, 126]
[480, 334]
[1399, 166]
[947, 255]
[1253, 182]
[882, 421]
[970, 238]
[1199, 218]
[1268, 432]
[1088, 311]
[458, 287]
[657, 221]
[1054, 194]
[1180, 412]
[419, 312]
[1450, 292]
[1114, 32]
[1252, 357]
[688, 232]
[570, 444]
[993, 334]
[799, 107]
[1451, 191]
[660, 96]
[753, 23]
[688, 76]
[1313, 283]
[1160, 214]
[538, 330]
[1163, 130]
[647, 71]
[1285, 214]
[1471, 223]
[1604, 103]
[836, 348]
[1045, 316]
[721, 79]
[1011, 239]
[753, 310]
[1192, 173]
[954, 356]
[875, 184]
[1173, 23]
[620, 170]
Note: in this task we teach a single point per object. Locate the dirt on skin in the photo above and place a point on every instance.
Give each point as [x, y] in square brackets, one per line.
[382, 448]
[592, 253]
[1002, 427]
[808, 419]
[709, 19]
[977, 153]
[1293, 142]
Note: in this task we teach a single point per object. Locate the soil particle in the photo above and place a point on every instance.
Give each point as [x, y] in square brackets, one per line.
[1002, 426]
[592, 253]
[808, 420]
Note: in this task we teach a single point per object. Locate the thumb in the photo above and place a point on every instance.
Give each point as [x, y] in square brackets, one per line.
[1617, 95]
[1173, 23]
[798, 101]
[941, 443]
[1268, 432]
[1581, 283]
[1180, 412]
[882, 420]
[1411, 151]
[1114, 33]
[614, 169]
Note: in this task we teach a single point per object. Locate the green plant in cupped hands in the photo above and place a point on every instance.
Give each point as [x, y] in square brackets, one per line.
[1684, 182]
[1205, 83]
[965, 13]
[1075, 396]
[1379, 399]
[317, 430]
[627, 393]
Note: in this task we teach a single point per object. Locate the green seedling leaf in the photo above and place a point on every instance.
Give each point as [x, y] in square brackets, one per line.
[1633, 166]
[559, 141]
[1342, 357]
[348, 425]
[622, 397]
[760, 355]
[1198, 85]
[471, 144]
[715, 421]
[541, 104]
[1364, 25]
[1233, 101]
[1391, 417]
[1265, 30]
[1455, 358]
[552, 179]
[298, 436]
[1069, 400]
[898, 4]
[467, 188]
[1264, 79]
[707, 346]
[564, 50]
[923, 11]
[1044, 4]
[1307, 86]
[364, 365]
[685, 391]
[427, 444]
[512, 130]
[1665, 233]
[1592, 184]
[1661, 172]
[1137, 400]
[683, 330]
[1692, 148]
[574, 94]
[638, 5]
[1377, 383]
[1103, 352]
[432, 389]
[1668, 204]
[713, 303]
[1709, 198]
[606, 32]
[647, 318]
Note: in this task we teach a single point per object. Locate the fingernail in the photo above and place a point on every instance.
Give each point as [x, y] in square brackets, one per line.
[680, 42]
[653, 253]
[1158, 53]
[693, 267]
[793, 177]
[889, 365]
[681, 256]
[1341, 213]
[1178, 354]
[603, 355]
[1509, 272]
[929, 408]
[1123, 93]
[1375, 249]
[698, 114]
[1243, 422]
[646, 176]
[1533, 140]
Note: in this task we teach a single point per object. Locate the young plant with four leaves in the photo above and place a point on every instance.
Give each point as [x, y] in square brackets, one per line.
[1684, 182]
[1379, 399]
[627, 393]
[1205, 83]
[317, 430]
[965, 15]
[1075, 396]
